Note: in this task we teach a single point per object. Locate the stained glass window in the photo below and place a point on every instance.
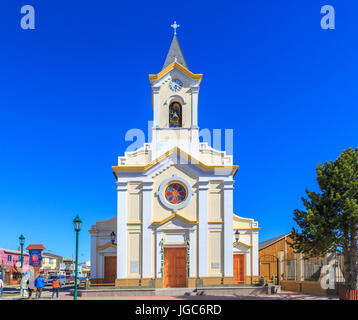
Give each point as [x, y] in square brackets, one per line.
[175, 193]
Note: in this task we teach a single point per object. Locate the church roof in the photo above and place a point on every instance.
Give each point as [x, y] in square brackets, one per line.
[175, 54]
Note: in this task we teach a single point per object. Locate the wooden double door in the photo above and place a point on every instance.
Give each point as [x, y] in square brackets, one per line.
[110, 269]
[175, 264]
[239, 268]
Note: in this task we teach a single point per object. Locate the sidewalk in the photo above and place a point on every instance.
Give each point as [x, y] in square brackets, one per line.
[284, 295]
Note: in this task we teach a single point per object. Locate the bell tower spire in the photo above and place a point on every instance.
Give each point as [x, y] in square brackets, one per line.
[175, 53]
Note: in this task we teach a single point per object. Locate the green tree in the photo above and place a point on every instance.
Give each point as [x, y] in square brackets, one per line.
[330, 221]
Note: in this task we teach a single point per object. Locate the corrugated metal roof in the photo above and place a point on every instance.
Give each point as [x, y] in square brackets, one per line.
[14, 251]
[267, 243]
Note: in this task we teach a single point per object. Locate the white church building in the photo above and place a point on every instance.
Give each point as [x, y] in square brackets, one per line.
[175, 225]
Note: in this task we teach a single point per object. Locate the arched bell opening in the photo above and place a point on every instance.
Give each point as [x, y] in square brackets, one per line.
[175, 114]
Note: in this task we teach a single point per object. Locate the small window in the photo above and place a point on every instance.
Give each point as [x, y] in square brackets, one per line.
[9, 258]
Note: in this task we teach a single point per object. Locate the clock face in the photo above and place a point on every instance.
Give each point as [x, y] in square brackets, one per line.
[175, 193]
[175, 85]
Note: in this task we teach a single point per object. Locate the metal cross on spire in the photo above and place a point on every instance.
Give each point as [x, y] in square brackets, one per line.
[175, 26]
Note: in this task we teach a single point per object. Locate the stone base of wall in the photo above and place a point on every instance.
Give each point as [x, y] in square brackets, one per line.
[252, 279]
[192, 282]
[134, 282]
[309, 287]
[96, 281]
[208, 281]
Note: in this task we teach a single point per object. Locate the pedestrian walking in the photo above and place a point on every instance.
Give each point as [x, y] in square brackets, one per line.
[39, 284]
[55, 287]
[30, 286]
[1, 287]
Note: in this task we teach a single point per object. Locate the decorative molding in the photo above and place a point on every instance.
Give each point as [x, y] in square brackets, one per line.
[175, 65]
[244, 244]
[109, 244]
[173, 216]
[173, 97]
[97, 231]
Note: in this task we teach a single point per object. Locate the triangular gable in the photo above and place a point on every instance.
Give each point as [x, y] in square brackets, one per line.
[174, 221]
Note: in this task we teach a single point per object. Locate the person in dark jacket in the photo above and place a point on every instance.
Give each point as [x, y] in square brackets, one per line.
[30, 286]
[39, 284]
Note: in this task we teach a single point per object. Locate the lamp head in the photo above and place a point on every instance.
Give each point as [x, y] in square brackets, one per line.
[237, 235]
[22, 240]
[77, 224]
[113, 237]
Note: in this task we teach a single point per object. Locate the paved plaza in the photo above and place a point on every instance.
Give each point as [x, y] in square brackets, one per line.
[284, 295]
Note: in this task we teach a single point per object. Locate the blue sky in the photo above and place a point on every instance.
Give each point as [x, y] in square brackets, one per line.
[286, 87]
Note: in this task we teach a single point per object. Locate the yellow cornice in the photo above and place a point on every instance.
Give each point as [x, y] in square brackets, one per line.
[212, 222]
[244, 244]
[243, 229]
[107, 245]
[133, 223]
[172, 216]
[172, 66]
[97, 231]
[168, 153]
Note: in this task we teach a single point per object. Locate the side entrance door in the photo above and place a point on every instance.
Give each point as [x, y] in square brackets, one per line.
[174, 267]
[110, 269]
[239, 268]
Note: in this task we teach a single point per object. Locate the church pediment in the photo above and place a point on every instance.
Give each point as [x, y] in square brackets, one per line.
[174, 222]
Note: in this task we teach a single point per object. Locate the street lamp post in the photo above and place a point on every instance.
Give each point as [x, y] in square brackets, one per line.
[22, 241]
[77, 225]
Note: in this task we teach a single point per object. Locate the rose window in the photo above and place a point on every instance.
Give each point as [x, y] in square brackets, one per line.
[175, 193]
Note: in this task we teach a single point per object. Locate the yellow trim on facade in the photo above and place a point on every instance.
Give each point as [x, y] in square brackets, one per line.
[107, 245]
[96, 231]
[215, 222]
[172, 216]
[168, 153]
[133, 223]
[244, 244]
[243, 229]
[172, 66]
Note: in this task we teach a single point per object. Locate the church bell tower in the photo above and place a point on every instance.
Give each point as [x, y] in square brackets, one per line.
[175, 92]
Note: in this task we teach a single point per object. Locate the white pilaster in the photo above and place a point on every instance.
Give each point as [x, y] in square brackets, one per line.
[155, 92]
[192, 254]
[194, 106]
[100, 266]
[158, 239]
[94, 256]
[255, 253]
[228, 228]
[121, 229]
[146, 229]
[203, 229]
